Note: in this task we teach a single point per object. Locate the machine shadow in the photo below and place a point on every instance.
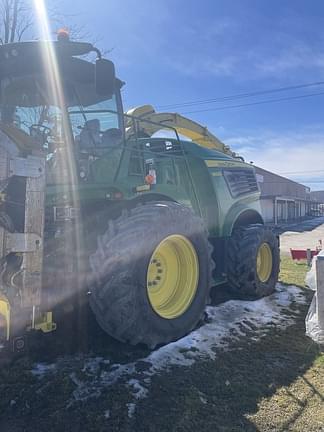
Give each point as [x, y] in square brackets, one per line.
[79, 333]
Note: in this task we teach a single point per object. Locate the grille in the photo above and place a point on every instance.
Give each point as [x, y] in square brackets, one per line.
[241, 181]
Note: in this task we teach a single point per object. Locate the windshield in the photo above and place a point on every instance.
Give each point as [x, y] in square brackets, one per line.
[25, 107]
[96, 126]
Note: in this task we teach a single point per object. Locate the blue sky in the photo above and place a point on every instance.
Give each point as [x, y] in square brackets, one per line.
[176, 51]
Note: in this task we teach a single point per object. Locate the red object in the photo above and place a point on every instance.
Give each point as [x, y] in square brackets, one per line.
[118, 195]
[299, 254]
[149, 179]
[63, 34]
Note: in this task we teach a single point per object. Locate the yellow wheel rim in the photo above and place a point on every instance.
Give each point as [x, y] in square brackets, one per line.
[172, 276]
[264, 262]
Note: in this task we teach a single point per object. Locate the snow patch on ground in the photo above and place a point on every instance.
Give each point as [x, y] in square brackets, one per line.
[202, 398]
[131, 408]
[139, 391]
[227, 322]
[41, 369]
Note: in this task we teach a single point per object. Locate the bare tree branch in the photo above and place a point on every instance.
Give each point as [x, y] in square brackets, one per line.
[6, 21]
[18, 18]
[14, 20]
[21, 31]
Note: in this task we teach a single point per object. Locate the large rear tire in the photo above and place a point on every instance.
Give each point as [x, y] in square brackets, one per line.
[152, 273]
[253, 261]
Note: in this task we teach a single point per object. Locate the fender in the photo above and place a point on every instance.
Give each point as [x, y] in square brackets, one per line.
[241, 215]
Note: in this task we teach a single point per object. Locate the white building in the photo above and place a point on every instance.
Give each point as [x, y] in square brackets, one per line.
[284, 200]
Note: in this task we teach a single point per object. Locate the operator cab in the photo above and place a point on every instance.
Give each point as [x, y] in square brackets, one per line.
[53, 100]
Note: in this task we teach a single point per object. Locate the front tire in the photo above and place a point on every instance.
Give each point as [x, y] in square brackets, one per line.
[253, 261]
[152, 273]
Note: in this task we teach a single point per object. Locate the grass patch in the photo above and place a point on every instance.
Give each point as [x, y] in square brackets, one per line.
[254, 386]
[320, 361]
[291, 272]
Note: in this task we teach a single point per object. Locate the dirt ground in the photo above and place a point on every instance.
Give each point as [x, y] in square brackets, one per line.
[248, 367]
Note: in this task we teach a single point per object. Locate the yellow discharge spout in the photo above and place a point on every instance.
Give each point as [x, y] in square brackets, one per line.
[183, 125]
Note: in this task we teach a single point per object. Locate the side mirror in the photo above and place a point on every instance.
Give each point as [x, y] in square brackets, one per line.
[105, 77]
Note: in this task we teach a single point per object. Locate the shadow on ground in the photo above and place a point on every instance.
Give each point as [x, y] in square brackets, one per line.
[300, 226]
[87, 337]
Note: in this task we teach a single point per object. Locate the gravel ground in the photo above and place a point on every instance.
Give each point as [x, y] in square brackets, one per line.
[301, 240]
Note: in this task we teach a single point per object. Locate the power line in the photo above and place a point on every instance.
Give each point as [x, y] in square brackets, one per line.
[241, 95]
[255, 103]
